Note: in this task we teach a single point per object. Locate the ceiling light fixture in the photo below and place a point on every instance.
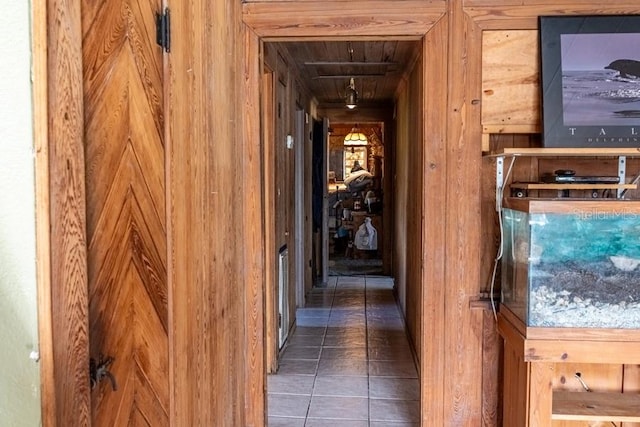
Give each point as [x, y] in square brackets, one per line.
[352, 96]
[355, 137]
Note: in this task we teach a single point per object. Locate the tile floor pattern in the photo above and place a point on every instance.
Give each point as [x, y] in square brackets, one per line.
[348, 362]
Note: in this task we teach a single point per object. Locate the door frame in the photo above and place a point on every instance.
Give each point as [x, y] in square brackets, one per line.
[367, 20]
[324, 235]
[299, 183]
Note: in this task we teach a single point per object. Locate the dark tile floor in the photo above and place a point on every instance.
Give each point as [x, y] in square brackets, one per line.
[348, 363]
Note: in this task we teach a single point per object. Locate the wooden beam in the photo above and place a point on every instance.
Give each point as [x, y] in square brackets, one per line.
[336, 18]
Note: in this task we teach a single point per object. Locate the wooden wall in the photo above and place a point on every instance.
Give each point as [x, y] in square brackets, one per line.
[217, 373]
[511, 118]
[408, 198]
[288, 96]
[216, 370]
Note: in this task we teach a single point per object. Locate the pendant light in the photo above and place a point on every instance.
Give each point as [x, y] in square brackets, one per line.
[352, 96]
[355, 137]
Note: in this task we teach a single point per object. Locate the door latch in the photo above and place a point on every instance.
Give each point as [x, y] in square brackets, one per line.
[99, 369]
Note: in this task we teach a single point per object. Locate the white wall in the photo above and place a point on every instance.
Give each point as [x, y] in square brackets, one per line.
[19, 375]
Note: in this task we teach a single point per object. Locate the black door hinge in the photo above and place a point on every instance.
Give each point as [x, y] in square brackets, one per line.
[163, 29]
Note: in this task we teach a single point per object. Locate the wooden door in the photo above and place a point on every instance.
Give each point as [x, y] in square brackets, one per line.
[126, 219]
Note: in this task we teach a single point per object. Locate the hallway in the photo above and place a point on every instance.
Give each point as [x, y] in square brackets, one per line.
[348, 362]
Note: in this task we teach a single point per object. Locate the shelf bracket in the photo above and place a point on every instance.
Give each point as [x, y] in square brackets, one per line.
[622, 174]
[499, 181]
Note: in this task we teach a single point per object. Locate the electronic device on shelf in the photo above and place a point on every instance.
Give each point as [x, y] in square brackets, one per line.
[568, 176]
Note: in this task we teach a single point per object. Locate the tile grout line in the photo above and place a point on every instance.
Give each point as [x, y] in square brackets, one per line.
[366, 347]
[324, 336]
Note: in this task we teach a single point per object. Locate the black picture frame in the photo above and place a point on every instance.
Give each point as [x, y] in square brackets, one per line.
[588, 99]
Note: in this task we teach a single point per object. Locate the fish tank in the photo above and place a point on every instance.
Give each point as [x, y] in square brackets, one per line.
[572, 264]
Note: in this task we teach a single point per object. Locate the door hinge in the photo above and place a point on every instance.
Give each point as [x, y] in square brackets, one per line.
[279, 320]
[163, 29]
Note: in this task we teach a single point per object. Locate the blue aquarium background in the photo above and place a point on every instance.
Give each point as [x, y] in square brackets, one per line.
[582, 238]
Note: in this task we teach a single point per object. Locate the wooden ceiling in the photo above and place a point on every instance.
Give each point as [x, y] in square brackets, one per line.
[377, 67]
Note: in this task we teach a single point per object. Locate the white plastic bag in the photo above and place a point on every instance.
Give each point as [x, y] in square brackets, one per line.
[366, 237]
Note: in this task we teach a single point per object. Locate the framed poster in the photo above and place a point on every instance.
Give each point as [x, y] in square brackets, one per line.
[590, 71]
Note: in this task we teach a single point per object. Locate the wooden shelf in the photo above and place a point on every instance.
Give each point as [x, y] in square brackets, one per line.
[595, 406]
[581, 186]
[565, 152]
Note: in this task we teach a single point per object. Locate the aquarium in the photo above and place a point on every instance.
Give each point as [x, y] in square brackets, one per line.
[572, 264]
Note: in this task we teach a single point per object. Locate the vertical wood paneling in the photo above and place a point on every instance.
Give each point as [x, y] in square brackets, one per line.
[189, 333]
[433, 401]
[416, 218]
[67, 209]
[253, 256]
[207, 201]
[492, 357]
[540, 392]
[510, 78]
[516, 374]
[631, 384]
[408, 203]
[462, 342]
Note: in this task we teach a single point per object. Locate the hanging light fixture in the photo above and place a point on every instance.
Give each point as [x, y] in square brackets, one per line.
[352, 96]
[355, 137]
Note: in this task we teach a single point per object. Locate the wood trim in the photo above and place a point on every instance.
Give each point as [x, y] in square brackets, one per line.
[497, 15]
[433, 299]
[272, 20]
[43, 224]
[170, 233]
[564, 345]
[191, 396]
[254, 229]
[558, 351]
[267, 85]
[463, 392]
[68, 285]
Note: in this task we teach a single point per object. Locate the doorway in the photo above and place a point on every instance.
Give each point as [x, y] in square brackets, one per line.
[356, 213]
[335, 303]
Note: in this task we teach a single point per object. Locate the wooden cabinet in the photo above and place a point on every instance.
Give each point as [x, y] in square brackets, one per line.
[541, 370]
